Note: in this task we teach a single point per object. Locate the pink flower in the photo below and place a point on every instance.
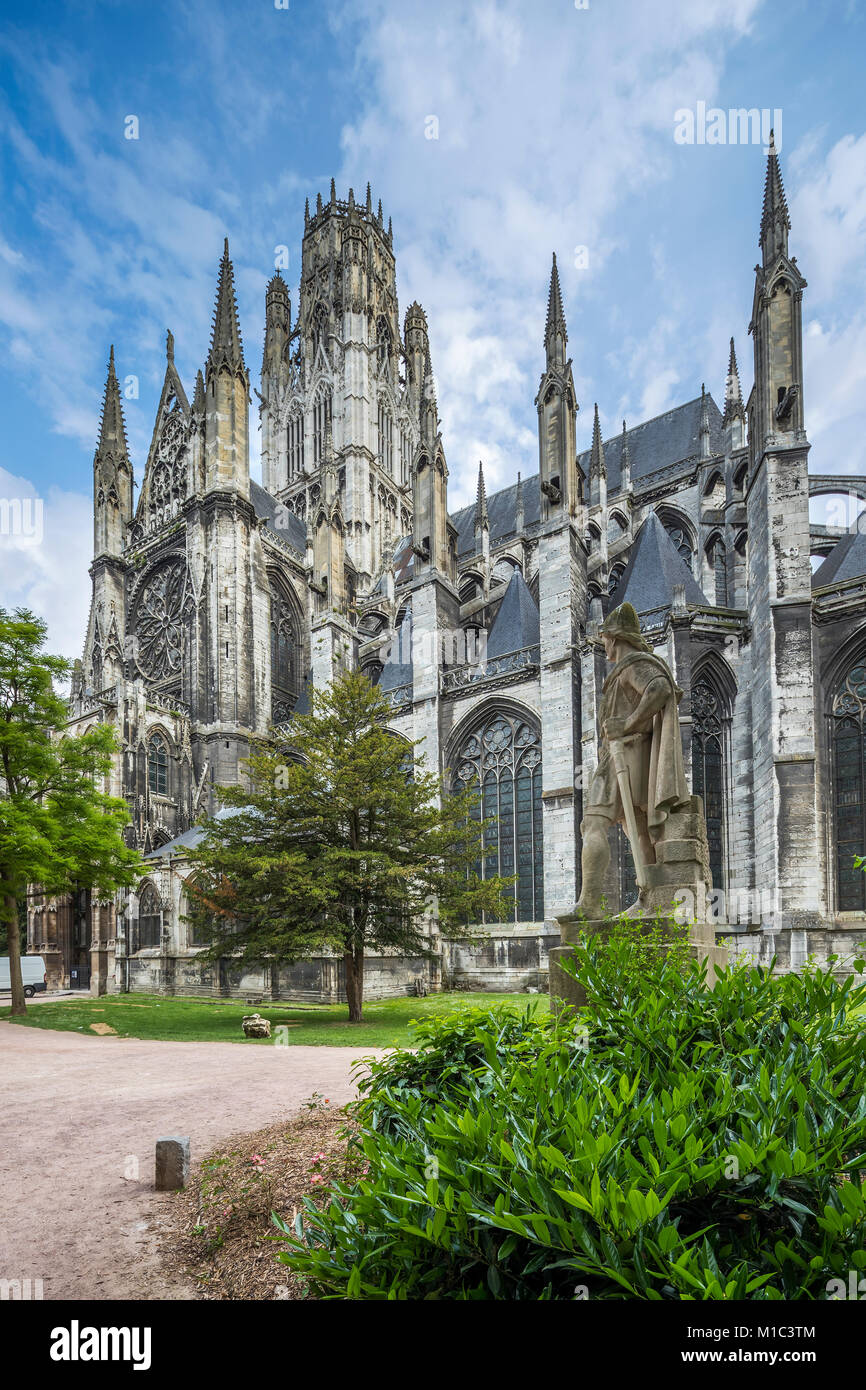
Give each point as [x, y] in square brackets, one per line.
[317, 1178]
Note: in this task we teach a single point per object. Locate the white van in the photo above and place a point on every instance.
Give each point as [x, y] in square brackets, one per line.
[32, 973]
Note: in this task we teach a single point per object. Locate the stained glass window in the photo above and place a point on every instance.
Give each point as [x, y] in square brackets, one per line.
[708, 770]
[149, 931]
[502, 760]
[680, 540]
[720, 574]
[157, 766]
[849, 762]
[284, 655]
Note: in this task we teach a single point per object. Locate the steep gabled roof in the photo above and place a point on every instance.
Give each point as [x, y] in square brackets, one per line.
[517, 624]
[655, 567]
[278, 518]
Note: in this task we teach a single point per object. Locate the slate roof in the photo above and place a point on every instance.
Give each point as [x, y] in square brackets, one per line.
[189, 838]
[517, 624]
[654, 568]
[397, 672]
[847, 560]
[502, 513]
[661, 442]
[278, 518]
[668, 439]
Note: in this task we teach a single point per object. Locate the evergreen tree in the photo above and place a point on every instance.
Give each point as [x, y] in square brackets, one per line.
[338, 841]
[57, 827]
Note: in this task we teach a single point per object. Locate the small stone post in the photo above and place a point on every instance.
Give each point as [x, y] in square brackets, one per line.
[172, 1163]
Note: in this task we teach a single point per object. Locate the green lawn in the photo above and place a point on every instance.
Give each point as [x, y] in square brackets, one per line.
[385, 1023]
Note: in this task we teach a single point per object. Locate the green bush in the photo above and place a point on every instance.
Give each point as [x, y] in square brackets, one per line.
[689, 1144]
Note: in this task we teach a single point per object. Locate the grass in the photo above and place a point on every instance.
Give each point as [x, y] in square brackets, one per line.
[385, 1022]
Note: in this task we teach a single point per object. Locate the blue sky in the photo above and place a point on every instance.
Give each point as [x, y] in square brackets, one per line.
[556, 131]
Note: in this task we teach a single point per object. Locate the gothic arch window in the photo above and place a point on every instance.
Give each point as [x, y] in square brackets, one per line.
[157, 766]
[717, 558]
[295, 444]
[680, 536]
[848, 715]
[149, 929]
[285, 654]
[383, 343]
[616, 575]
[386, 439]
[708, 768]
[320, 329]
[740, 477]
[321, 420]
[616, 528]
[501, 760]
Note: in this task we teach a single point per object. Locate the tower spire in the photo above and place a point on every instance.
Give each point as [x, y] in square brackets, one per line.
[775, 221]
[555, 334]
[112, 427]
[226, 348]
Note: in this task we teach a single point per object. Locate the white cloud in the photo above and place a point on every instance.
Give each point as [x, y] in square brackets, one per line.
[46, 543]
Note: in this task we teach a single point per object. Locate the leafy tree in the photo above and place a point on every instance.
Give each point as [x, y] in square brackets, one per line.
[336, 842]
[57, 828]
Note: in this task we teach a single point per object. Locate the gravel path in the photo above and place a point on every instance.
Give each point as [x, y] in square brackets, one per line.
[80, 1119]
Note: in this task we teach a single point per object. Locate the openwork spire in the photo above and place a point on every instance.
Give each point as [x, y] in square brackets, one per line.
[226, 348]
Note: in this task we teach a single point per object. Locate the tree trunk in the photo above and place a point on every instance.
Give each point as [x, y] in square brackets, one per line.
[19, 1007]
[354, 960]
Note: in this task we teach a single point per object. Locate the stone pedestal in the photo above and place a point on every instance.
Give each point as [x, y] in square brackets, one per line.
[675, 892]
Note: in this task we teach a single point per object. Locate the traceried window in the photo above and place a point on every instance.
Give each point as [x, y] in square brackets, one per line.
[157, 766]
[162, 615]
[849, 783]
[383, 342]
[502, 761]
[681, 541]
[321, 420]
[386, 439]
[284, 655]
[296, 445]
[708, 778]
[720, 574]
[405, 457]
[320, 329]
[149, 927]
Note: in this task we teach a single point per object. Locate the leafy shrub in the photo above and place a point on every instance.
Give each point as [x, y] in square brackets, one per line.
[691, 1145]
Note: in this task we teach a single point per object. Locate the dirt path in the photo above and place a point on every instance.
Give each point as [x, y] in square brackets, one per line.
[80, 1118]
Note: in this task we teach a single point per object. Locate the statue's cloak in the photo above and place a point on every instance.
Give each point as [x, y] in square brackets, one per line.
[662, 760]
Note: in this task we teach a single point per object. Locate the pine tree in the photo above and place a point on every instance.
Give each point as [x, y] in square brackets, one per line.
[57, 828]
[339, 841]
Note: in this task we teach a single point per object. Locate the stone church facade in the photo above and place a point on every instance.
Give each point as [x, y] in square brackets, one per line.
[217, 603]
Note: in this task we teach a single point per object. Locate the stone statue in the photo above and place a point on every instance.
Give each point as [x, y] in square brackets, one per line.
[640, 783]
[640, 779]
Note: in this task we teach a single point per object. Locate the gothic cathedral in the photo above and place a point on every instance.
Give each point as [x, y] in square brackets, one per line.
[217, 603]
